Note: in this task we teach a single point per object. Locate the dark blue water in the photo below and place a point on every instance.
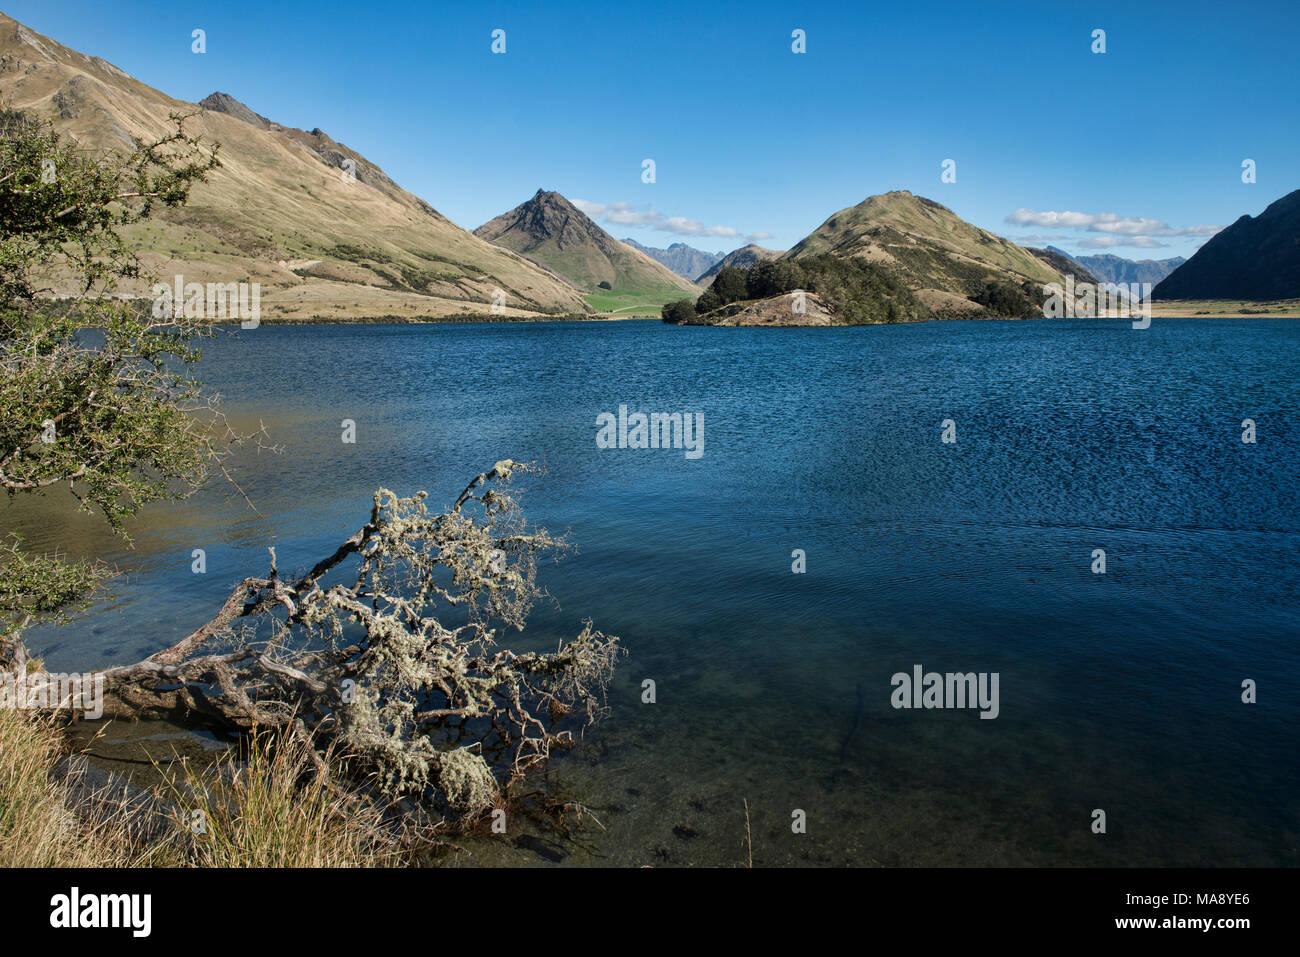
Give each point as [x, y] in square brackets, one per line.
[1119, 692]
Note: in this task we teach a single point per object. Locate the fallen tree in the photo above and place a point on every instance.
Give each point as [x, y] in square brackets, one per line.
[386, 651]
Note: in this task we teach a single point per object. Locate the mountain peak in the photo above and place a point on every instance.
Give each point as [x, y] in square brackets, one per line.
[895, 228]
[905, 198]
[550, 230]
[225, 103]
[549, 199]
[547, 216]
[277, 210]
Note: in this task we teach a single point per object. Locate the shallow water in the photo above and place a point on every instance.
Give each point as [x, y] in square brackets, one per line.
[1119, 691]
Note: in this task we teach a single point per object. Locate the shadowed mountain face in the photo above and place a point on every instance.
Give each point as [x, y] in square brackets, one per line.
[324, 231]
[550, 230]
[741, 258]
[1254, 258]
[682, 259]
[1109, 268]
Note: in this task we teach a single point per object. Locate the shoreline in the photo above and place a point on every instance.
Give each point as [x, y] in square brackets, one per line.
[1172, 309]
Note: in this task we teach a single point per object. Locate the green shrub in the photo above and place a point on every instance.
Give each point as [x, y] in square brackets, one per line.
[729, 285]
[1005, 299]
[683, 310]
[708, 302]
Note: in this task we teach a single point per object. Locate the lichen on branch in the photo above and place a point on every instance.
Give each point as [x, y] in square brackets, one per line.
[388, 649]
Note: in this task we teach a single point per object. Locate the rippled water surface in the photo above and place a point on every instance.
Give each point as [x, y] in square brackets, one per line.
[1119, 691]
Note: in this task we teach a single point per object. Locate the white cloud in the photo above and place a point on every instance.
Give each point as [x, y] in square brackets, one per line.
[625, 214]
[1111, 242]
[1027, 217]
[1139, 228]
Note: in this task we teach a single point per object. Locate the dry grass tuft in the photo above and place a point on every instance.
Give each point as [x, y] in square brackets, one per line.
[270, 810]
[37, 827]
[273, 810]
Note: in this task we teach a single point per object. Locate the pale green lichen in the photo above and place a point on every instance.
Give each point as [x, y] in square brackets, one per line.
[413, 677]
[467, 782]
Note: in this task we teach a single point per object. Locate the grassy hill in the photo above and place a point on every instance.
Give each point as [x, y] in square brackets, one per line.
[550, 230]
[892, 258]
[280, 211]
[925, 243]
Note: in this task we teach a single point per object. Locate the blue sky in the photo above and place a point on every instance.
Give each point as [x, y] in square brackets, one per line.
[751, 140]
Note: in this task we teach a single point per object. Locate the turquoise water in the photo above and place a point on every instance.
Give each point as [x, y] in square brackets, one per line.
[1119, 691]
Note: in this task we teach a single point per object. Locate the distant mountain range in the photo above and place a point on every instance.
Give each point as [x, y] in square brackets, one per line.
[329, 235]
[1256, 258]
[550, 230]
[283, 209]
[682, 259]
[1115, 269]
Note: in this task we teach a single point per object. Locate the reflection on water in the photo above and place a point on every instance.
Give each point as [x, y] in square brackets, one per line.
[1119, 692]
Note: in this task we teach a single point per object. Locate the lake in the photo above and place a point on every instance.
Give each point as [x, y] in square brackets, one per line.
[1119, 691]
